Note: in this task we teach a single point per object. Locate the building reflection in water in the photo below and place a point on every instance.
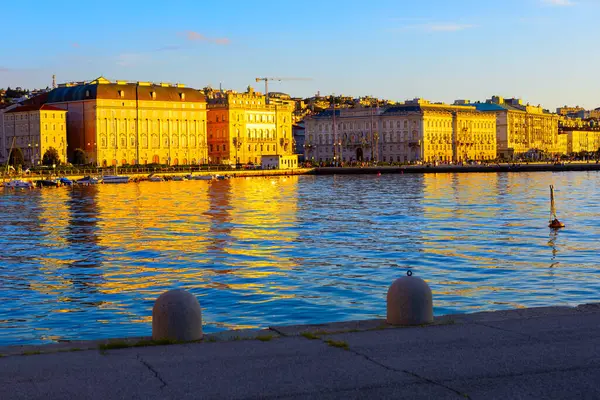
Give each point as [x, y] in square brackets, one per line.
[219, 215]
[217, 239]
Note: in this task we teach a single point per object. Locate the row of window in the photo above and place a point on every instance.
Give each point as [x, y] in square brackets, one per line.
[223, 147]
[116, 126]
[33, 116]
[176, 141]
[27, 141]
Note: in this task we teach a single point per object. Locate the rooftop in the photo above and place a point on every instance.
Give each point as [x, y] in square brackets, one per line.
[27, 108]
[102, 88]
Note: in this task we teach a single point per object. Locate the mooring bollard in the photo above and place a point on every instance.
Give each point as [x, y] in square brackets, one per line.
[409, 302]
[177, 316]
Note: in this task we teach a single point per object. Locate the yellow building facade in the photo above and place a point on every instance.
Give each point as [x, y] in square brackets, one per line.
[242, 127]
[415, 131]
[33, 130]
[437, 132]
[522, 130]
[120, 123]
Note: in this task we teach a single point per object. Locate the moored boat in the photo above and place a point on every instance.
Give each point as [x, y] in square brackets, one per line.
[115, 179]
[66, 181]
[18, 184]
[178, 178]
[47, 183]
[155, 178]
[200, 177]
[88, 180]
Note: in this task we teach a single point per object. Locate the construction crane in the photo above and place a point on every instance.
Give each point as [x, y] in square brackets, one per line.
[267, 79]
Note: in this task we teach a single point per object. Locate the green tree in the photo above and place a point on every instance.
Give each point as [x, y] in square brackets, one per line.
[16, 157]
[51, 157]
[79, 157]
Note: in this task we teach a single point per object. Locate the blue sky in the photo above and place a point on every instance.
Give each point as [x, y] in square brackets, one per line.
[544, 51]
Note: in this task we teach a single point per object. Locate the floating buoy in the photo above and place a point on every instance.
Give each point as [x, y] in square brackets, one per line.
[554, 222]
[378, 173]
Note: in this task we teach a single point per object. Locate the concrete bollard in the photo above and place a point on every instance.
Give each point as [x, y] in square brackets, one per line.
[409, 302]
[177, 316]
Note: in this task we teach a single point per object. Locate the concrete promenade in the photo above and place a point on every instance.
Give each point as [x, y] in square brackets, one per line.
[539, 353]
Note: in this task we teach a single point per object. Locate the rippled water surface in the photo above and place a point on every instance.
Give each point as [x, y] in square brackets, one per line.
[89, 262]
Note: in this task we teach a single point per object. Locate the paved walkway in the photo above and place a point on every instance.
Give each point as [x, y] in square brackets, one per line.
[547, 353]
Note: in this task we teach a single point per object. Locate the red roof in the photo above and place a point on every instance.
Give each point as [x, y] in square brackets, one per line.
[34, 108]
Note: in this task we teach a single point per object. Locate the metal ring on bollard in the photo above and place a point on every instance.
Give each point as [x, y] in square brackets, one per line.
[409, 272]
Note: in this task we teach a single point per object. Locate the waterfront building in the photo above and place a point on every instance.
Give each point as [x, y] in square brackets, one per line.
[242, 127]
[298, 133]
[279, 162]
[33, 130]
[419, 130]
[3, 149]
[347, 134]
[522, 130]
[414, 131]
[119, 123]
[581, 136]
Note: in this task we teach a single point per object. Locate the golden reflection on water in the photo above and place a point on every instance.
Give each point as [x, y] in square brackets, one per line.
[236, 217]
[89, 262]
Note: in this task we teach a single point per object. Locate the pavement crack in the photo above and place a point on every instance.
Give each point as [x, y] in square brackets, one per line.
[151, 369]
[387, 367]
[277, 331]
[507, 330]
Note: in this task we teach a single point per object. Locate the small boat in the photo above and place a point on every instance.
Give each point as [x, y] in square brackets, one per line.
[88, 180]
[178, 178]
[155, 178]
[200, 177]
[66, 181]
[221, 177]
[47, 183]
[115, 179]
[18, 184]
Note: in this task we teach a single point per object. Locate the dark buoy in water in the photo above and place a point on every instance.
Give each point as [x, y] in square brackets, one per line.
[554, 222]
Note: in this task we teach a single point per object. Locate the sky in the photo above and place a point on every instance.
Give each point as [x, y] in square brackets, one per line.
[543, 51]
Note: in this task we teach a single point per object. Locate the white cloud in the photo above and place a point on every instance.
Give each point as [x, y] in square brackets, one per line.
[437, 27]
[560, 3]
[447, 27]
[198, 37]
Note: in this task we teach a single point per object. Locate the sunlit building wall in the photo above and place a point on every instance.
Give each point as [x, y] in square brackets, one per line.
[522, 130]
[419, 130]
[242, 127]
[35, 129]
[353, 136]
[117, 123]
